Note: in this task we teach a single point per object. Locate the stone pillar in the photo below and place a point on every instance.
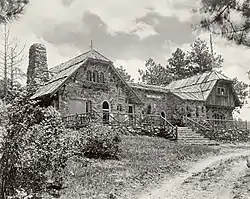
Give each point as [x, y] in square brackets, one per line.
[37, 72]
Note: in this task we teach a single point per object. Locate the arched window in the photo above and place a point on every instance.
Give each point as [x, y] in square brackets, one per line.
[101, 77]
[89, 76]
[95, 76]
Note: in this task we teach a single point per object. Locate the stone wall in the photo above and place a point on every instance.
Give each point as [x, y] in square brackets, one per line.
[171, 105]
[37, 72]
[79, 91]
[111, 91]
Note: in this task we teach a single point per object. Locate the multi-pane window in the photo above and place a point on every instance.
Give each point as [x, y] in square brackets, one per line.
[221, 91]
[95, 76]
[89, 75]
[101, 77]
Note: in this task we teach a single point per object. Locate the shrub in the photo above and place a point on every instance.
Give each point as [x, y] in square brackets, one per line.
[32, 147]
[95, 141]
[229, 135]
[101, 142]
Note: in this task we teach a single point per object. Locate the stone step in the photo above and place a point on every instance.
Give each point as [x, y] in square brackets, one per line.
[194, 138]
[189, 135]
[198, 142]
[185, 131]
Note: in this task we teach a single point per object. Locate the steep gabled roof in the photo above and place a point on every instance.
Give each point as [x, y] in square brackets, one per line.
[62, 72]
[92, 54]
[197, 87]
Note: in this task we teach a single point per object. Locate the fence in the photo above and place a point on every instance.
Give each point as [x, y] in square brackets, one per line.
[216, 124]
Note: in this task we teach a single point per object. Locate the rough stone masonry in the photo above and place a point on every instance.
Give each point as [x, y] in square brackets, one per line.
[37, 72]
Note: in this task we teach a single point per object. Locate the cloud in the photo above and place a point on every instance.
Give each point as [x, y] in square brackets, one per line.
[145, 40]
[121, 30]
[132, 67]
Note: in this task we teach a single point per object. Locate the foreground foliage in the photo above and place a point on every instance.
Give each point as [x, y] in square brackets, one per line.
[31, 148]
[227, 136]
[11, 9]
[95, 141]
[228, 18]
[143, 161]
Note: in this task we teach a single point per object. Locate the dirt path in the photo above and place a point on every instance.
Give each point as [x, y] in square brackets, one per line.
[218, 177]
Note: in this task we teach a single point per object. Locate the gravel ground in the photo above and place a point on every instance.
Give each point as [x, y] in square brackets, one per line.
[219, 177]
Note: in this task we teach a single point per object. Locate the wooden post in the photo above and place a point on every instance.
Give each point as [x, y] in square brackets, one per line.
[176, 132]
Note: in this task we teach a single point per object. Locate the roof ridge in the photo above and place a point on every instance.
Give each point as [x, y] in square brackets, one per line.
[101, 54]
[195, 83]
[69, 61]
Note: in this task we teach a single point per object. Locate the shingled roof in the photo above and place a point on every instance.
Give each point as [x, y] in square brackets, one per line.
[197, 87]
[148, 87]
[61, 73]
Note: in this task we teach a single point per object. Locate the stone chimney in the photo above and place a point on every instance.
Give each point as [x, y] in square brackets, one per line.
[37, 72]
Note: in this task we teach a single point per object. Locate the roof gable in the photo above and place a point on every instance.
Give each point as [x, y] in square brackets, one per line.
[197, 87]
[62, 72]
[91, 54]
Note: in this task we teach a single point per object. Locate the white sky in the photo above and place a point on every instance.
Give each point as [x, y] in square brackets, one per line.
[126, 31]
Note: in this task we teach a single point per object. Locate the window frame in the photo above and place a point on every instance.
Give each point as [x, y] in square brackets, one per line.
[221, 91]
[89, 75]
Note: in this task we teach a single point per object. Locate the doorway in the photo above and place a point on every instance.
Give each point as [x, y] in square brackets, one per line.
[163, 114]
[105, 110]
[130, 113]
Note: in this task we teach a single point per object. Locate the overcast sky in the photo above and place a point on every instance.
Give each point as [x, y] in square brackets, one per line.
[126, 31]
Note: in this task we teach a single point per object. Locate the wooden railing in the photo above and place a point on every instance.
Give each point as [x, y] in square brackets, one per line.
[196, 124]
[170, 128]
[127, 120]
[227, 124]
[213, 124]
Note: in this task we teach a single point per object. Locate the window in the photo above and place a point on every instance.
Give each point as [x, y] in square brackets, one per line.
[221, 91]
[89, 75]
[95, 76]
[218, 116]
[149, 109]
[203, 109]
[119, 91]
[197, 111]
[119, 107]
[88, 106]
[101, 77]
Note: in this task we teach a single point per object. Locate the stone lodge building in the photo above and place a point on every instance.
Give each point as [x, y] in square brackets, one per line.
[90, 82]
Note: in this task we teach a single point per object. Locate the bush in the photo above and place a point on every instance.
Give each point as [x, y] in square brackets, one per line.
[101, 142]
[95, 141]
[32, 147]
[229, 135]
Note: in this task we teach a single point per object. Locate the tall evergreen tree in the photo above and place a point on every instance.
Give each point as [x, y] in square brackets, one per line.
[155, 74]
[228, 18]
[178, 63]
[123, 72]
[11, 9]
[200, 58]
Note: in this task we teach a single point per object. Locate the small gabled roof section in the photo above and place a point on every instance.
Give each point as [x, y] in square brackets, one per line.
[62, 72]
[198, 87]
[148, 87]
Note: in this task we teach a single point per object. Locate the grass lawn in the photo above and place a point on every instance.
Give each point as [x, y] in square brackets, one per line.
[144, 162]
